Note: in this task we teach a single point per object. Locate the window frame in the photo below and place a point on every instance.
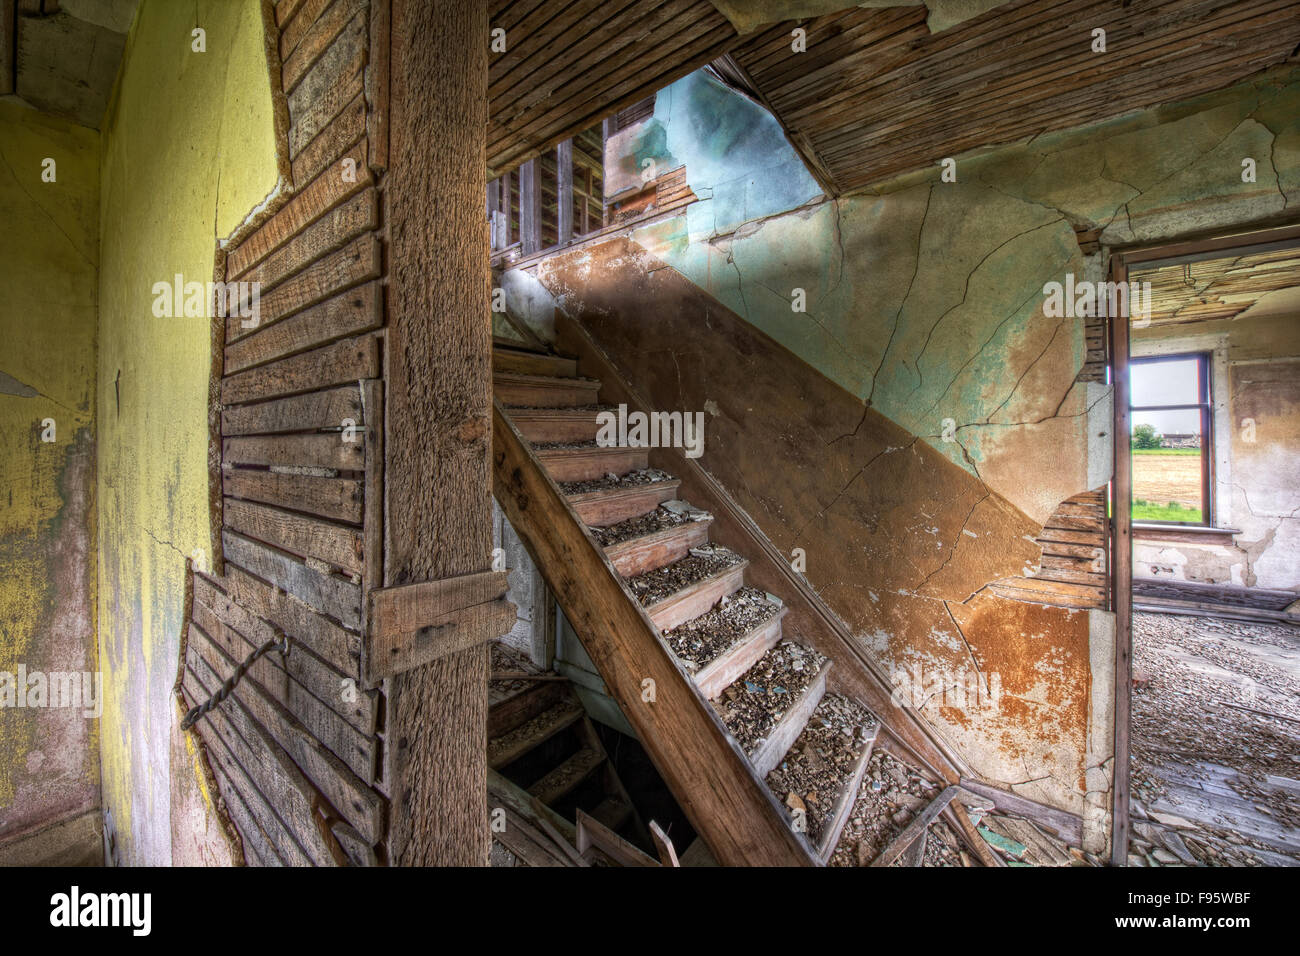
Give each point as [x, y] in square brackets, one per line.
[1205, 404]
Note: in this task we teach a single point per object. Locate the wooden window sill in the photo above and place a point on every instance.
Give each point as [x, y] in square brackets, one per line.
[1192, 534]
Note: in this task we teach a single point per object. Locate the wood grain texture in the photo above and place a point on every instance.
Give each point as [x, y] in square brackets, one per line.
[437, 395]
[714, 783]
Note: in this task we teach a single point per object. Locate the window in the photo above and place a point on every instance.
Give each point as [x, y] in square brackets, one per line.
[1171, 443]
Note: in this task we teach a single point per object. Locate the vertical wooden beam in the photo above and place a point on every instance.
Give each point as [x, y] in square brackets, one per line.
[530, 207]
[1122, 583]
[564, 191]
[505, 210]
[438, 401]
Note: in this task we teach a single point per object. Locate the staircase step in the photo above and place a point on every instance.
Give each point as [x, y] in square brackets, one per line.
[695, 598]
[567, 776]
[767, 707]
[505, 359]
[771, 750]
[599, 509]
[511, 746]
[523, 706]
[830, 757]
[739, 657]
[540, 425]
[590, 461]
[848, 796]
[613, 812]
[647, 552]
[543, 391]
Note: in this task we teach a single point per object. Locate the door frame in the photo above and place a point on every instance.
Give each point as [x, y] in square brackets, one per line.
[1121, 542]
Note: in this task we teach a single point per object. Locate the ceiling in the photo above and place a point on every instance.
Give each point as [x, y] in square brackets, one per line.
[61, 56]
[877, 94]
[1221, 288]
[570, 63]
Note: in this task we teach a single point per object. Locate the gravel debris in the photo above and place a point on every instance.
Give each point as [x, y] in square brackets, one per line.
[700, 642]
[645, 476]
[820, 762]
[753, 705]
[661, 519]
[1192, 677]
[653, 586]
[891, 794]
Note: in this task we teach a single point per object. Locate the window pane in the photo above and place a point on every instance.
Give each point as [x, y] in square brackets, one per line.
[1167, 448]
[1166, 382]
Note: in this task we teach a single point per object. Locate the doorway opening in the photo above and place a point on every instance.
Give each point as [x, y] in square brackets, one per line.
[1206, 522]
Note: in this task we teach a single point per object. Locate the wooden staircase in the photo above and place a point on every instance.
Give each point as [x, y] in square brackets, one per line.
[733, 711]
[542, 746]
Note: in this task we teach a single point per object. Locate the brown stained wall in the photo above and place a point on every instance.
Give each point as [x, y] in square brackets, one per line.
[899, 541]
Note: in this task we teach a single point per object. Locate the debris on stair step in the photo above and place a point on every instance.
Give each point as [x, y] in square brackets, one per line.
[753, 706]
[890, 795]
[699, 642]
[661, 519]
[654, 586]
[644, 476]
[567, 445]
[686, 510]
[821, 761]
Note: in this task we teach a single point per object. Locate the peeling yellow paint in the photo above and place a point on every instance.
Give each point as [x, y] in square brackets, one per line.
[48, 758]
[188, 150]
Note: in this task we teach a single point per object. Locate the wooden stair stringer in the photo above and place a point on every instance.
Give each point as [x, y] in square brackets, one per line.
[728, 804]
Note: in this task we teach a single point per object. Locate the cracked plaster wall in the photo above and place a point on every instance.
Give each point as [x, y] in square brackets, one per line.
[188, 149]
[924, 303]
[49, 761]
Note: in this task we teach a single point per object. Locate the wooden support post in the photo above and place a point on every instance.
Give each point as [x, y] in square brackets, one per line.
[530, 207]
[564, 190]
[438, 401]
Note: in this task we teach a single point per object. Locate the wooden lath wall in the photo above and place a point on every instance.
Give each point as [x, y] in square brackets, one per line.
[298, 751]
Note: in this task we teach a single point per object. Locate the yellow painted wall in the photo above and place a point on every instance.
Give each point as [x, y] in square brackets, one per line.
[48, 236]
[188, 153]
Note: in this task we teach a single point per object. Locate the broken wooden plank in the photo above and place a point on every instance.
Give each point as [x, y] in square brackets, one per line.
[663, 845]
[331, 408]
[914, 829]
[318, 450]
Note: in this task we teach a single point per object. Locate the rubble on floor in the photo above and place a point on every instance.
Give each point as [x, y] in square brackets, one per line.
[1215, 760]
